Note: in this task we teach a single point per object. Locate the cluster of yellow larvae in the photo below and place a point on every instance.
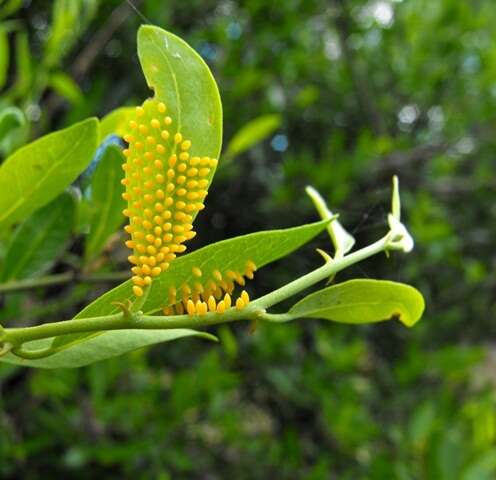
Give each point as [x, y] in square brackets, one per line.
[210, 293]
[165, 188]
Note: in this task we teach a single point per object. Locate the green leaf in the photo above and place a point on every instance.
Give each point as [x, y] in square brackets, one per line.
[186, 90]
[16, 135]
[11, 118]
[363, 301]
[4, 56]
[40, 240]
[70, 19]
[24, 63]
[66, 87]
[37, 173]
[101, 347]
[116, 122]
[261, 247]
[10, 7]
[482, 468]
[182, 80]
[421, 425]
[252, 133]
[106, 201]
[14, 129]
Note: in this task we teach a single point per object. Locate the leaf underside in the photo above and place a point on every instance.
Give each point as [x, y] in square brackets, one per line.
[101, 347]
[363, 301]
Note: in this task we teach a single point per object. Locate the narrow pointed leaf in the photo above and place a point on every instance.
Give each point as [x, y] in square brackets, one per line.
[24, 65]
[4, 56]
[66, 87]
[252, 133]
[261, 248]
[233, 254]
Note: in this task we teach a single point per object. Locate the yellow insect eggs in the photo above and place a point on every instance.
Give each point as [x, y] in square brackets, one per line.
[160, 213]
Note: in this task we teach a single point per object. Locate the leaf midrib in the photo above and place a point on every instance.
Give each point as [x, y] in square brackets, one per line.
[174, 80]
[317, 311]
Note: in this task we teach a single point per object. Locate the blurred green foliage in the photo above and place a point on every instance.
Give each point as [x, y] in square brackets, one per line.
[364, 89]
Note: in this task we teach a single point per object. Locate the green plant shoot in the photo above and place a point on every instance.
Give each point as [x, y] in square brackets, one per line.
[173, 143]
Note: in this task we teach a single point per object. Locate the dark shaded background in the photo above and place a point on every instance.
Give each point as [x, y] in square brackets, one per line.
[366, 89]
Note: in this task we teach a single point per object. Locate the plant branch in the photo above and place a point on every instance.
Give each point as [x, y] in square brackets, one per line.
[120, 321]
[130, 319]
[322, 273]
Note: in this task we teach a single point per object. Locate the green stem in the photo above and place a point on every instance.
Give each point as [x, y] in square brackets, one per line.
[276, 317]
[120, 321]
[61, 279]
[320, 274]
[6, 348]
[17, 336]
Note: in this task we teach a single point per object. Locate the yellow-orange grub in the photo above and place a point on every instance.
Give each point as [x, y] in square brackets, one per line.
[160, 213]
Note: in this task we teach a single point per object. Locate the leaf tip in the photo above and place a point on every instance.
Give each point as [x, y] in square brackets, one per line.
[327, 258]
[208, 336]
